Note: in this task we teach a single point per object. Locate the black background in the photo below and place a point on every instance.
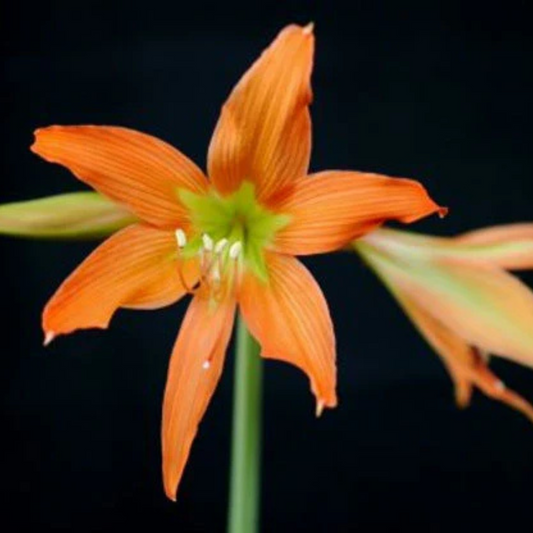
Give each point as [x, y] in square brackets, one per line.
[440, 91]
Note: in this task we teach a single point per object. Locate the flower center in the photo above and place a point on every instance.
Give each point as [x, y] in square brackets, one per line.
[229, 233]
[218, 262]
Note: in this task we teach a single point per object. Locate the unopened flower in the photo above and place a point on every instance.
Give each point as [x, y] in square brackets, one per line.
[459, 295]
[76, 215]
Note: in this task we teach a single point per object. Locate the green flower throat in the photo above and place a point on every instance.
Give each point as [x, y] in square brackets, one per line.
[224, 221]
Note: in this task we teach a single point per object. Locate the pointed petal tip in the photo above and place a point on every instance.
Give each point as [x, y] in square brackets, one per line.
[461, 402]
[322, 404]
[170, 484]
[443, 211]
[496, 389]
[319, 408]
[309, 28]
[49, 336]
[171, 495]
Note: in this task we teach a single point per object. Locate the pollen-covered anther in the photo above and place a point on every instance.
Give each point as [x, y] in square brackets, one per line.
[221, 245]
[235, 250]
[181, 238]
[207, 242]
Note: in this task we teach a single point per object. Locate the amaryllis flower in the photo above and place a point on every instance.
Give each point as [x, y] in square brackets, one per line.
[460, 297]
[229, 239]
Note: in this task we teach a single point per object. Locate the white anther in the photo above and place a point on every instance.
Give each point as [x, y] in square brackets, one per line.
[206, 364]
[49, 337]
[235, 249]
[208, 242]
[220, 245]
[500, 386]
[181, 238]
[309, 28]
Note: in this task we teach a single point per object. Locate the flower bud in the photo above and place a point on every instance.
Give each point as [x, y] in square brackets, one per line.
[79, 215]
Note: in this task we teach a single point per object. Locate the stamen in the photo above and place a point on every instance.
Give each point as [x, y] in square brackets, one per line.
[220, 245]
[235, 250]
[183, 281]
[208, 242]
[216, 271]
[214, 265]
[319, 407]
[181, 238]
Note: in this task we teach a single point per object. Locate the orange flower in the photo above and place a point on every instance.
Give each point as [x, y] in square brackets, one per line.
[461, 299]
[229, 240]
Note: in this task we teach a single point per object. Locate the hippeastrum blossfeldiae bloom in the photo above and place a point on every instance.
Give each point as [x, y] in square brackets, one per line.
[229, 239]
[459, 295]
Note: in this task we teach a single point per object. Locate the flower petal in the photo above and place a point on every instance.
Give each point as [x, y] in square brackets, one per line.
[331, 208]
[509, 246]
[264, 131]
[137, 268]
[132, 168]
[484, 305]
[464, 363]
[493, 387]
[456, 355]
[289, 317]
[195, 368]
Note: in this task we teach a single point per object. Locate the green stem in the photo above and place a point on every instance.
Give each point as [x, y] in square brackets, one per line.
[246, 439]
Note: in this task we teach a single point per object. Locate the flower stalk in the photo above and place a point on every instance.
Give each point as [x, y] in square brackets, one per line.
[245, 473]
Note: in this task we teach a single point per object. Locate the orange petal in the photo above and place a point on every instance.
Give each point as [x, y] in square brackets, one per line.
[484, 305]
[289, 317]
[264, 131]
[466, 366]
[496, 389]
[137, 267]
[488, 307]
[132, 168]
[331, 208]
[194, 371]
[509, 246]
[455, 353]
